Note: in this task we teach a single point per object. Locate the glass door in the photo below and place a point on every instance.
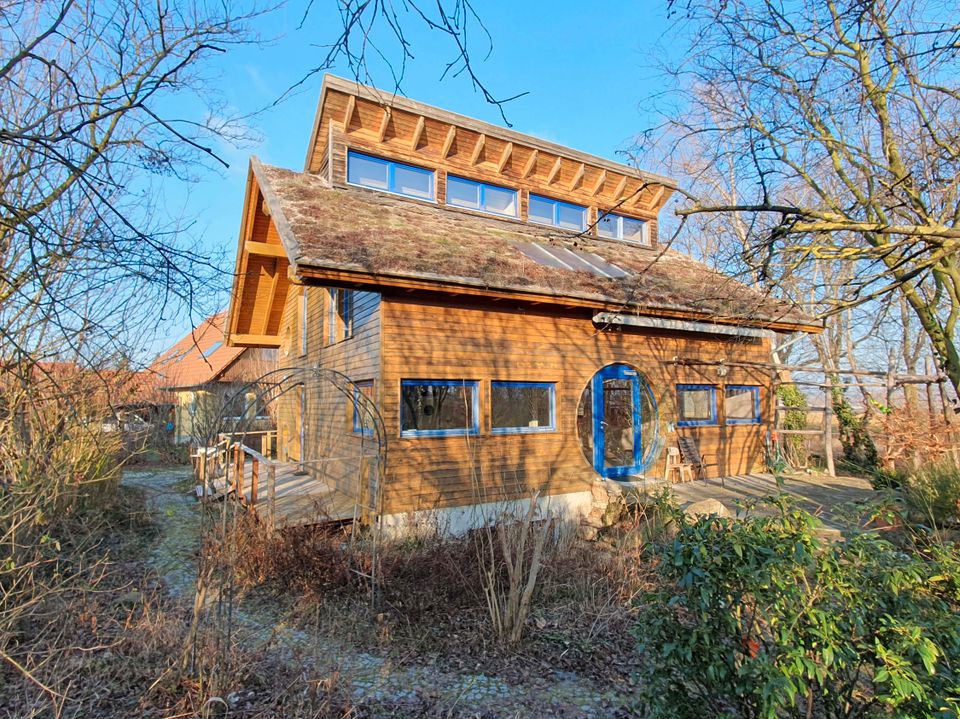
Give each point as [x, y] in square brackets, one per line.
[616, 421]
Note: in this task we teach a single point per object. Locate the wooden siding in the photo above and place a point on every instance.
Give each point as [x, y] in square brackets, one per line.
[484, 343]
[332, 452]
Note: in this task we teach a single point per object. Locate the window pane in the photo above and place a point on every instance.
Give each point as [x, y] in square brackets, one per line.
[431, 407]
[571, 218]
[462, 193]
[695, 405]
[362, 419]
[541, 210]
[503, 202]
[741, 403]
[413, 181]
[607, 226]
[521, 406]
[633, 230]
[367, 171]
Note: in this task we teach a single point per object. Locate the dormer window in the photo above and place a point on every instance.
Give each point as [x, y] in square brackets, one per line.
[473, 195]
[618, 227]
[545, 211]
[388, 176]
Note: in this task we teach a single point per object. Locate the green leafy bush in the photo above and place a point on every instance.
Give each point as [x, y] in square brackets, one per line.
[761, 618]
[794, 449]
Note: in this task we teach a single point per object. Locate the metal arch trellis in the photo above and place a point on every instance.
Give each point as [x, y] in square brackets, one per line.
[230, 433]
[225, 457]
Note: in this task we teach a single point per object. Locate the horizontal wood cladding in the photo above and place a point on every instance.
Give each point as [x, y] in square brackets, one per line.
[469, 150]
[484, 342]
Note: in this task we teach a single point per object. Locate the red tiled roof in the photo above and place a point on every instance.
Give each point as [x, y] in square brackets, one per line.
[200, 357]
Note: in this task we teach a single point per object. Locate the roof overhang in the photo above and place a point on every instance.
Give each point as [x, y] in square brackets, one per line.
[663, 323]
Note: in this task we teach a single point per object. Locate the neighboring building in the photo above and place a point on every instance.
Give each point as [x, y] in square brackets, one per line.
[506, 302]
[204, 377]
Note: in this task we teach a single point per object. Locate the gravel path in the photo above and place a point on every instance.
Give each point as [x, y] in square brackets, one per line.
[407, 688]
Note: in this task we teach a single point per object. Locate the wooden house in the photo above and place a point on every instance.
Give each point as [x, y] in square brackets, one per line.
[506, 303]
[202, 375]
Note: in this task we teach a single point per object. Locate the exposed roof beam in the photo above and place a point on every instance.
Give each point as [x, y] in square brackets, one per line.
[264, 207]
[384, 124]
[265, 249]
[477, 149]
[554, 171]
[505, 156]
[621, 186]
[578, 176]
[655, 200]
[348, 115]
[448, 142]
[598, 185]
[252, 340]
[531, 164]
[274, 283]
[417, 133]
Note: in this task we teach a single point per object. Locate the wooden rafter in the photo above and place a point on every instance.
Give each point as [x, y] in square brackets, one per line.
[531, 164]
[505, 156]
[554, 171]
[417, 133]
[448, 142]
[264, 207]
[477, 149]
[274, 283]
[384, 124]
[657, 195]
[578, 176]
[598, 185]
[252, 340]
[621, 186]
[348, 115]
[264, 249]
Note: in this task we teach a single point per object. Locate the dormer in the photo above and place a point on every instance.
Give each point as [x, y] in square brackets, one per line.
[369, 138]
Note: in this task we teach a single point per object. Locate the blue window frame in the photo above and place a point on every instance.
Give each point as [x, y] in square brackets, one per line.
[389, 176]
[522, 407]
[439, 407]
[545, 211]
[741, 404]
[696, 404]
[473, 195]
[340, 315]
[362, 422]
[620, 227]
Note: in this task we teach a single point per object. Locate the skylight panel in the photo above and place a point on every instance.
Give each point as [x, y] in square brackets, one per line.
[565, 259]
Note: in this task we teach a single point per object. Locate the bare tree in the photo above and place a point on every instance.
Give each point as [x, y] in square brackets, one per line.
[842, 120]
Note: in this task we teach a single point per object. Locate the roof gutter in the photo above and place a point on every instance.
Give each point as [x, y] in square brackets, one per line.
[662, 323]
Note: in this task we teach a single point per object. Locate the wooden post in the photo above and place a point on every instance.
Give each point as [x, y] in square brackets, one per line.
[238, 468]
[272, 480]
[928, 370]
[254, 480]
[828, 427]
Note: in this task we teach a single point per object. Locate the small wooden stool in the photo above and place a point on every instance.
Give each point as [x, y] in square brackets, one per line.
[675, 464]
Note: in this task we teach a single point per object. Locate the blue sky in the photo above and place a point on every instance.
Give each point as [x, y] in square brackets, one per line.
[588, 69]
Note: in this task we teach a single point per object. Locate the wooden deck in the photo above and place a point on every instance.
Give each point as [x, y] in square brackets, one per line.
[299, 499]
[819, 494]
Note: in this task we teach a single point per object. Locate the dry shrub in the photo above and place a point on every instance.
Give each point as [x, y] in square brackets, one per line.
[909, 439]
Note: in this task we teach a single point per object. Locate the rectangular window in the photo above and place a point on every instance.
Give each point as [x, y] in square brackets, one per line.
[437, 408]
[741, 404]
[389, 176]
[618, 227]
[362, 418]
[545, 211]
[473, 195]
[522, 407]
[303, 322]
[341, 315]
[696, 404]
